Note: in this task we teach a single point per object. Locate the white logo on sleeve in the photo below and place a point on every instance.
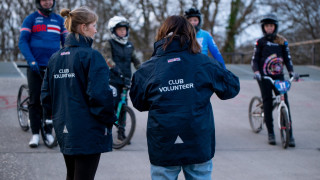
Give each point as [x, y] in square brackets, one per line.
[65, 130]
[178, 140]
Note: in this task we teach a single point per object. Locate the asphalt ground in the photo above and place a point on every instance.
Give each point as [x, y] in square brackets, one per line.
[240, 153]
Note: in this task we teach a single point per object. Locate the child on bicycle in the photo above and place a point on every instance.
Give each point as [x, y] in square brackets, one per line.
[271, 53]
[40, 37]
[203, 37]
[119, 54]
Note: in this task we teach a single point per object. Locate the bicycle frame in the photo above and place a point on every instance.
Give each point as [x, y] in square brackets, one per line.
[121, 103]
[279, 101]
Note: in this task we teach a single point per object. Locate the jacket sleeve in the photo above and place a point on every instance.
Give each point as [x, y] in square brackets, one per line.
[214, 50]
[256, 57]
[46, 96]
[63, 33]
[107, 54]
[135, 60]
[224, 83]
[139, 91]
[98, 90]
[287, 57]
[24, 40]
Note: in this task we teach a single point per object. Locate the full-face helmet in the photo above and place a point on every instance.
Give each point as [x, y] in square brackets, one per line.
[116, 22]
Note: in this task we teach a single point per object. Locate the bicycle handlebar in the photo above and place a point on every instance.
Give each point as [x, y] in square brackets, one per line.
[23, 66]
[291, 79]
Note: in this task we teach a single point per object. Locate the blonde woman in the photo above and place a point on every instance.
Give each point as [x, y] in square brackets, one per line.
[76, 93]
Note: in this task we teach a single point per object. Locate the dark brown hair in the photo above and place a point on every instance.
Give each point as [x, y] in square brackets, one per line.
[178, 26]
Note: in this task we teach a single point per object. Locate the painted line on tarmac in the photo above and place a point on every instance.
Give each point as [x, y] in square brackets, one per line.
[19, 71]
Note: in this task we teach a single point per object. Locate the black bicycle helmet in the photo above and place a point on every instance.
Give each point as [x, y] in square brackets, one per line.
[194, 12]
[46, 12]
[269, 19]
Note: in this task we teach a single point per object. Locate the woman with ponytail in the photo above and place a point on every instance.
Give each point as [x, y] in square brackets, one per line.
[77, 95]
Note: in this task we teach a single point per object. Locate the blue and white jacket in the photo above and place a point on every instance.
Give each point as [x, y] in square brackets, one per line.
[207, 44]
[40, 37]
[175, 86]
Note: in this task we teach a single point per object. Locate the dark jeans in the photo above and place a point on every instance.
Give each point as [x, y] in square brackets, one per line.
[81, 167]
[266, 89]
[35, 109]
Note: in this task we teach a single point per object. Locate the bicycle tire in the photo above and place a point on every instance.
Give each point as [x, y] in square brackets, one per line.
[256, 115]
[130, 125]
[45, 128]
[22, 107]
[285, 128]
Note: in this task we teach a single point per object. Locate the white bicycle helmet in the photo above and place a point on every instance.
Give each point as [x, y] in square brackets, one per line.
[114, 23]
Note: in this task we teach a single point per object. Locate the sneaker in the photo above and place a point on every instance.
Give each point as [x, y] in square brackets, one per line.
[292, 142]
[271, 139]
[50, 138]
[34, 141]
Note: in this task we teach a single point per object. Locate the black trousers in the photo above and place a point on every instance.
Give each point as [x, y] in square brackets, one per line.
[266, 89]
[116, 100]
[81, 167]
[35, 109]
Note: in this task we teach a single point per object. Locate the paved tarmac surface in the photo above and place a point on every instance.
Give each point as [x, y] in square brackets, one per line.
[240, 153]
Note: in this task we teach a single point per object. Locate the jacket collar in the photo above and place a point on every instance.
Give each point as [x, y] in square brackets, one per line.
[174, 46]
[83, 41]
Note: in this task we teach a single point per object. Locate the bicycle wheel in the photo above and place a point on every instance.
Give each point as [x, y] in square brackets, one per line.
[285, 127]
[256, 116]
[47, 129]
[22, 107]
[127, 127]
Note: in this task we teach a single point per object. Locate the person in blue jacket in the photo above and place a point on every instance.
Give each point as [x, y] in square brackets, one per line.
[203, 37]
[42, 33]
[175, 86]
[76, 93]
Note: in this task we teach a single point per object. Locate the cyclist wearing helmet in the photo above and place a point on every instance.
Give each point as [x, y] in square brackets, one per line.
[119, 54]
[203, 37]
[271, 53]
[41, 34]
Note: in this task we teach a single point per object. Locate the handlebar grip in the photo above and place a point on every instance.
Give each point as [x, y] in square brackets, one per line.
[23, 66]
[304, 75]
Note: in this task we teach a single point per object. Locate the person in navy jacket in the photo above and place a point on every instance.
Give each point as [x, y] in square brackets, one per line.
[41, 35]
[175, 86]
[76, 93]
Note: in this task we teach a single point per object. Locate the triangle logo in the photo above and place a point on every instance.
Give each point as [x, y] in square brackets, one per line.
[178, 140]
[65, 130]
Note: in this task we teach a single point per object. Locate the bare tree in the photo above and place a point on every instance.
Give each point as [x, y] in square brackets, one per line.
[239, 19]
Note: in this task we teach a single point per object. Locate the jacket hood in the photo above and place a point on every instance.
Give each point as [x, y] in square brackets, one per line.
[73, 40]
[174, 46]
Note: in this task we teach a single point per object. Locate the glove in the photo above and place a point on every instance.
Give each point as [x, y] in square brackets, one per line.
[294, 75]
[117, 71]
[34, 66]
[257, 76]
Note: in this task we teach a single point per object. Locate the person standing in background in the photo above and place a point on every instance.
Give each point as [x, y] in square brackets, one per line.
[41, 35]
[203, 37]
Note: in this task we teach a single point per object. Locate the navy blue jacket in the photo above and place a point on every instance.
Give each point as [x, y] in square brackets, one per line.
[76, 92]
[175, 86]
